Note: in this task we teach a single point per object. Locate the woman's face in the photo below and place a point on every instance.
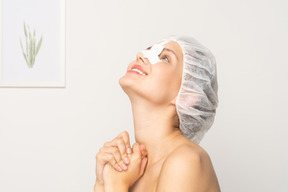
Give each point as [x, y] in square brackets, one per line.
[162, 81]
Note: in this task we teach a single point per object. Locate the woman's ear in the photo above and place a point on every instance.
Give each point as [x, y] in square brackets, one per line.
[173, 102]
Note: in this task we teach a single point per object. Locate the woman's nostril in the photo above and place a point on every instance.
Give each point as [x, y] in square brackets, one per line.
[140, 56]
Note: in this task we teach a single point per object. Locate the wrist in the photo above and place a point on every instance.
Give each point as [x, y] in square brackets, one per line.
[99, 182]
[98, 186]
[116, 188]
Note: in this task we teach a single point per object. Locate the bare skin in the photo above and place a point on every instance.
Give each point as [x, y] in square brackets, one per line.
[186, 167]
[172, 162]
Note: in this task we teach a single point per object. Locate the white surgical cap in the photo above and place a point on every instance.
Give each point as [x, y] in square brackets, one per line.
[197, 98]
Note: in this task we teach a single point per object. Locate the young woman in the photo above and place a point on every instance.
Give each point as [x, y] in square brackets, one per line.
[172, 87]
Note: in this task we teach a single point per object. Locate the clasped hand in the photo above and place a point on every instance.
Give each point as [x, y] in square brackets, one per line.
[112, 169]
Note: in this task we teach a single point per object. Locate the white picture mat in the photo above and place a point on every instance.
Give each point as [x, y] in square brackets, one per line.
[48, 19]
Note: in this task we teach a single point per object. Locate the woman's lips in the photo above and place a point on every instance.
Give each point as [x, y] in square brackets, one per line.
[130, 71]
[140, 68]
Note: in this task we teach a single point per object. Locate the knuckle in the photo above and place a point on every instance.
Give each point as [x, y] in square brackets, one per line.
[136, 145]
[106, 143]
[114, 150]
[97, 155]
[124, 133]
[110, 158]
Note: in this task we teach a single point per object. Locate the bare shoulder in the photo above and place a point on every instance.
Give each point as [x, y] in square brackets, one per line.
[190, 152]
[190, 168]
[188, 156]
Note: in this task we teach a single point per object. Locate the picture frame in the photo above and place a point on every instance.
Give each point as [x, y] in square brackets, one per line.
[32, 43]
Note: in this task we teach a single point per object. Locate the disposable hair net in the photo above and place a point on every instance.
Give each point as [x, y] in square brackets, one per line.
[197, 98]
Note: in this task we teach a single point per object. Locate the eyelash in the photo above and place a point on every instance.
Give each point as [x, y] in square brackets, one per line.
[166, 57]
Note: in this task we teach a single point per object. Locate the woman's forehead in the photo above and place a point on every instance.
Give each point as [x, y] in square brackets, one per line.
[173, 45]
[170, 44]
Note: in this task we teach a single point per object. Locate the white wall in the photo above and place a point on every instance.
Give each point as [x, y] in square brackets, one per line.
[49, 136]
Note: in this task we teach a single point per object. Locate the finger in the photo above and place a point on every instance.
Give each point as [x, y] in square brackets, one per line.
[113, 151]
[110, 158]
[143, 165]
[117, 155]
[136, 150]
[121, 146]
[125, 136]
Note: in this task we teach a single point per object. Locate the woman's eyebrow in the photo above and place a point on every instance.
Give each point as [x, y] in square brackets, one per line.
[165, 49]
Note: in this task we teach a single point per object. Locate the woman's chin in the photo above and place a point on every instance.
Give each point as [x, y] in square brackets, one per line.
[126, 83]
[130, 87]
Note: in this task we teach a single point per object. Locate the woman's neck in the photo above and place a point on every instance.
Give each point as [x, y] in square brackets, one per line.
[155, 128]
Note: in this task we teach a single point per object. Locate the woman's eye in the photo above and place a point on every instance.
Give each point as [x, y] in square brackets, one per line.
[165, 58]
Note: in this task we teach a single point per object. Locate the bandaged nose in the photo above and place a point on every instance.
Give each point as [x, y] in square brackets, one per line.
[153, 54]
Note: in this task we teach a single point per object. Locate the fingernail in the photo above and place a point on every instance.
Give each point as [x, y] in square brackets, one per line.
[119, 168]
[129, 150]
[124, 166]
[126, 160]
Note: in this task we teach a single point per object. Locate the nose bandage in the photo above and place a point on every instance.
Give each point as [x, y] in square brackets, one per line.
[153, 54]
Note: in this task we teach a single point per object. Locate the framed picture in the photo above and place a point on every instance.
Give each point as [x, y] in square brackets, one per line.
[32, 43]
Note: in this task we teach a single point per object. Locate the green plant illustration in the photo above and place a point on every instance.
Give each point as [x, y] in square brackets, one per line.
[31, 48]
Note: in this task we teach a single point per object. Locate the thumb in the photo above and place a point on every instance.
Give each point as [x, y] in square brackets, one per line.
[136, 149]
[143, 165]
